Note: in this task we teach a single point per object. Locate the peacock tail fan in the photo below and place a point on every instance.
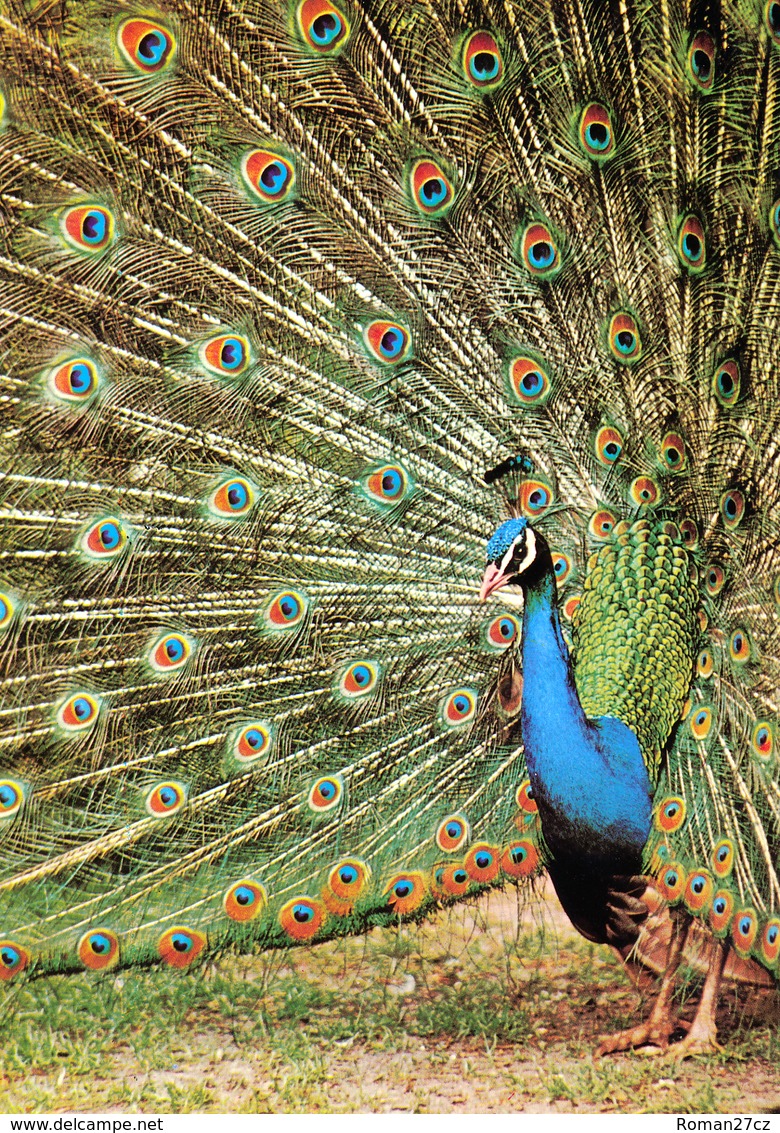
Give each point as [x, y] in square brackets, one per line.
[279, 282]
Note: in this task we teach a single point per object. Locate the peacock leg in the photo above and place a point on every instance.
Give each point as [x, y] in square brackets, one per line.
[661, 1022]
[702, 1037]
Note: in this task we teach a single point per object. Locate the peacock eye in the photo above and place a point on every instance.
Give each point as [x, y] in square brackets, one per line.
[608, 445]
[233, 499]
[227, 355]
[726, 383]
[624, 339]
[326, 793]
[644, 491]
[244, 900]
[76, 380]
[268, 175]
[690, 244]
[11, 798]
[528, 381]
[252, 742]
[595, 131]
[406, 892]
[452, 834]
[13, 959]
[322, 25]
[148, 47]
[432, 191]
[388, 342]
[732, 508]
[539, 251]
[482, 62]
[170, 652]
[179, 947]
[166, 799]
[358, 679]
[88, 228]
[105, 539]
[701, 60]
[458, 708]
[98, 949]
[387, 485]
[285, 611]
[534, 498]
[772, 19]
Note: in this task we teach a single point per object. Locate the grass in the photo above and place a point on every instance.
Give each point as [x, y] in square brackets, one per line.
[470, 1013]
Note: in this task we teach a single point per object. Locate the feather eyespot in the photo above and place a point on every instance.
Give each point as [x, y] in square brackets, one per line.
[670, 814]
[562, 567]
[170, 652]
[722, 857]
[624, 339]
[534, 498]
[609, 445]
[88, 228]
[453, 880]
[358, 679]
[268, 175]
[539, 251]
[405, 892]
[528, 381]
[302, 917]
[770, 941]
[701, 60]
[673, 452]
[285, 611]
[700, 722]
[244, 900]
[166, 799]
[726, 383]
[459, 708]
[432, 191]
[705, 664]
[772, 20]
[388, 342]
[524, 797]
[79, 712]
[346, 881]
[500, 632]
[690, 534]
[482, 62]
[452, 834]
[11, 798]
[147, 46]
[322, 25]
[744, 930]
[596, 135]
[672, 881]
[483, 863]
[225, 355]
[7, 610]
[13, 959]
[520, 859]
[644, 491]
[714, 579]
[99, 949]
[76, 380]
[762, 740]
[698, 891]
[720, 911]
[691, 247]
[387, 485]
[104, 539]
[233, 499]
[325, 793]
[179, 947]
[570, 606]
[732, 508]
[740, 646]
[252, 741]
[601, 524]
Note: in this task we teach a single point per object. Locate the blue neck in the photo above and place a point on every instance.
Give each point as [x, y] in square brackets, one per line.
[588, 776]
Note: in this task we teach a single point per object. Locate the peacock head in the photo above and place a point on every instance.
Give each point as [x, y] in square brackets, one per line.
[512, 550]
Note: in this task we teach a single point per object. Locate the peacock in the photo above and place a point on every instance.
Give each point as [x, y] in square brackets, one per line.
[390, 487]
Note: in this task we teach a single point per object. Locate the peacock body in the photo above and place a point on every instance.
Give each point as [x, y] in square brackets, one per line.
[279, 284]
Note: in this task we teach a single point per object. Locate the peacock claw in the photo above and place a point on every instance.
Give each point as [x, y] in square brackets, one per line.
[652, 1037]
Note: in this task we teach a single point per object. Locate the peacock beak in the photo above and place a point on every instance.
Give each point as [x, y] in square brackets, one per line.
[493, 579]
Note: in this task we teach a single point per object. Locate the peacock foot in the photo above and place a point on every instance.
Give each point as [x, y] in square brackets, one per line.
[652, 1036]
